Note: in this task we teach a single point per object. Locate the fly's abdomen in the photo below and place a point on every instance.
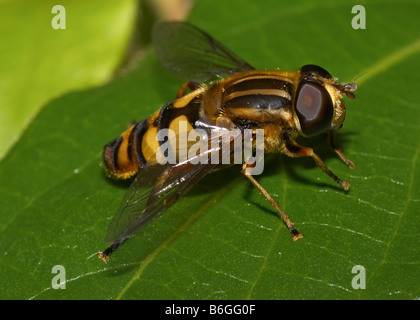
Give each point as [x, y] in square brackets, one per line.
[118, 156]
[124, 156]
[140, 145]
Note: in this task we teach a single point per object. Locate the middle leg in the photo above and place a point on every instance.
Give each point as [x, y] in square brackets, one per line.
[274, 203]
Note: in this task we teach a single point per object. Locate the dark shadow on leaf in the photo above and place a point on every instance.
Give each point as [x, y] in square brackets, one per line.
[123, 184]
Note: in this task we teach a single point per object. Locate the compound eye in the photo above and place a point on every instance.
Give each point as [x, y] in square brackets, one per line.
[314, 108]
[314, 69]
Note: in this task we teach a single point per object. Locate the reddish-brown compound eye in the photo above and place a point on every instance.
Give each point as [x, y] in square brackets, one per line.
[313, 107]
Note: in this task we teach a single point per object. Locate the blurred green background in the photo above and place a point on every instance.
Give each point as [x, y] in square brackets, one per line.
[65, 93]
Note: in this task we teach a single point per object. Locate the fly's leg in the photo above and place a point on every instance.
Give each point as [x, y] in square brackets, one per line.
[338, 151]
[185, 86]
[274, 203]
[292, 149]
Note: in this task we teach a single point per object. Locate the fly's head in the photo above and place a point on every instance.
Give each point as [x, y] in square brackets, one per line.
[318, 103]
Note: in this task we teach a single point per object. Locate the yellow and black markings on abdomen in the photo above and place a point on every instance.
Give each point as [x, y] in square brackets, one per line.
[137, 146]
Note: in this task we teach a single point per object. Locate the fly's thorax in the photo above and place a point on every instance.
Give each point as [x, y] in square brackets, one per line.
[273, 141]
[256, 98]
[253, 100]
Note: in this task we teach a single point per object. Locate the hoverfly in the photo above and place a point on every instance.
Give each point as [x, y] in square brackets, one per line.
[226, 94]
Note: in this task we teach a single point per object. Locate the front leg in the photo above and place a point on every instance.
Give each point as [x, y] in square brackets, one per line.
[292, 149]
[338, 151]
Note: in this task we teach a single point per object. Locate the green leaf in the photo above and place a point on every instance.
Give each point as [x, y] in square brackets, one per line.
[224, 241]
[39, 62]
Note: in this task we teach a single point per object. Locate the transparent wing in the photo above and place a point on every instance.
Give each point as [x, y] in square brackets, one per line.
[192, 54]
[145, 201]
[157, 187]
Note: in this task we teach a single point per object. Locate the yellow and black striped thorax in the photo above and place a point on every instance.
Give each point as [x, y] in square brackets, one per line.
[260, 98]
